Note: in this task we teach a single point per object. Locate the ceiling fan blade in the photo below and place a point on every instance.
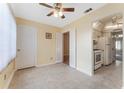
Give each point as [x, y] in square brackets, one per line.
[51, 13]
[46, 5]
[62, 16]
[68, 9]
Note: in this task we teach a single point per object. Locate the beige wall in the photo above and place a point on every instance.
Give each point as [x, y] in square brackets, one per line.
[85, 34]
[6, 75]
[46, 48]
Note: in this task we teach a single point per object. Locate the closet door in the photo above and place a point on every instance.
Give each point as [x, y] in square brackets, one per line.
[59, 53]
[26, 46]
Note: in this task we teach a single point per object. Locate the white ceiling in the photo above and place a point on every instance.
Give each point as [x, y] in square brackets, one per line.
[36, 12]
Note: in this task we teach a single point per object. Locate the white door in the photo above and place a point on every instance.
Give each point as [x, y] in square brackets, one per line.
[59, 53]
[72, 47]
[26, 46]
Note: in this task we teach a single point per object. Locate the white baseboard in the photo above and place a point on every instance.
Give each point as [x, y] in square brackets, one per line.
[9, 80]
[58, 61]
[72, 66]
[45, 65]
[90, 74]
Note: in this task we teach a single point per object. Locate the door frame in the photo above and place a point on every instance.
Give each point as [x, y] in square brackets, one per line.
[75, 46]
[36, 47]
[63, 46]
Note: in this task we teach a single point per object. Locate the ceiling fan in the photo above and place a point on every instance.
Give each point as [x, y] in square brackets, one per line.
[57, 9]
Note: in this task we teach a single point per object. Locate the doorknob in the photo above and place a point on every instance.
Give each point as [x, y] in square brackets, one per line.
[18, 49]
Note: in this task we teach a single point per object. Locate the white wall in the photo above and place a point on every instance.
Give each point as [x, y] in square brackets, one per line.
[72, 47]
[7, 36]
[84, 48]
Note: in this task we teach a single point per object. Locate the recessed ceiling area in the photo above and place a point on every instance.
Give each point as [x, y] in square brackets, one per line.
[36, 12]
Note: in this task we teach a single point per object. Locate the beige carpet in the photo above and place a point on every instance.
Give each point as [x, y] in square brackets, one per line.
[61, 76]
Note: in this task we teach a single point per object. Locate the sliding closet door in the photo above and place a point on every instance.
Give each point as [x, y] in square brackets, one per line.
[26, 46]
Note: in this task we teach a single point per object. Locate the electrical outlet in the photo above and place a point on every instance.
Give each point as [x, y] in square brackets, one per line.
[51, 58]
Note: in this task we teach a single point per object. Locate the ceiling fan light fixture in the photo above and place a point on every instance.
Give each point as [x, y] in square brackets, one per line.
[56, 14]
[60, 13]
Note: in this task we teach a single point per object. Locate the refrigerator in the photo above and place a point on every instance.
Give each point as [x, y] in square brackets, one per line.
[105, 44]
[109, 49]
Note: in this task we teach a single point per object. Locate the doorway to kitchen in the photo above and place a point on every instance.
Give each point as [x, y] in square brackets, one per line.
[66, 40]
[108, 49]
